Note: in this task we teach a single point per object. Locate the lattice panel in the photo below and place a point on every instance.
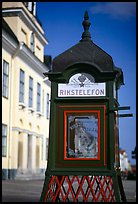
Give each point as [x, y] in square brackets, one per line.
[80, 189]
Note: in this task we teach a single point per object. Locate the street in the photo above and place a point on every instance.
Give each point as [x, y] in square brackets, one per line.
[30, 190]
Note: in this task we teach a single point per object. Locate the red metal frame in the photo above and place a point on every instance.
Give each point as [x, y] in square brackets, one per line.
[62, 110]
[116, 139]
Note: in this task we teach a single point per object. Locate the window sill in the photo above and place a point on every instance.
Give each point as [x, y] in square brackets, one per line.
[22, 105]
[43, 114]
[39, 114]
[31, 110]
[6, 97]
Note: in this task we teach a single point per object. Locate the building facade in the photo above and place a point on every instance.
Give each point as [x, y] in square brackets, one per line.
[25, 92]
[125, 165]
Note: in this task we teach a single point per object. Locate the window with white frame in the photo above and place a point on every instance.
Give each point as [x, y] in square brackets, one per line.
[47, 105]
[32, 42]
[4, 140]
[5, 87]
[30, 91]
[38, 97]
[46, 148]
[43, 100]
[21, 88]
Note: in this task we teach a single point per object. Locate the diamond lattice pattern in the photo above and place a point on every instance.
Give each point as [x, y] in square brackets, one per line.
[80, 189]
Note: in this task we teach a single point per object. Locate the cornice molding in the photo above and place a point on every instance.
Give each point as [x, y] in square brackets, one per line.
[23, 52]
[8, 42]
[28, 21]
[31, 133]
[29, 58]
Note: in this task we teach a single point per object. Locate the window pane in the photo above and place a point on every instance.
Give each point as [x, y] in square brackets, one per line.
[5, 78]
[22, 76]
[21, 94]
[32, 42]
[38, 96]
[46, 148]
[43, 103]
[4, 151]
[4, 140]
[47, 106]
[5, 67]
[5, 91]
[4, 130]
[30, 91]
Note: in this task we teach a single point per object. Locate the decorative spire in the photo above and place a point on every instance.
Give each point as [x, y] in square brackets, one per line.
[86, 36]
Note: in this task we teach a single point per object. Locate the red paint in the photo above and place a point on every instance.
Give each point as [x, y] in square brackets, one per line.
[99, 189]
[66, 109]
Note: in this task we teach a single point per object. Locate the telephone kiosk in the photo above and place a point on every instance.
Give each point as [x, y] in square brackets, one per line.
[83, 156]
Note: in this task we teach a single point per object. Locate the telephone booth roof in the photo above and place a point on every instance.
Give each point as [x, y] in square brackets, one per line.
[88, 53]
[83, 52]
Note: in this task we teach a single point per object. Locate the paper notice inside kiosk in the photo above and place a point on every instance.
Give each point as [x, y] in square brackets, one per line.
[82, 140]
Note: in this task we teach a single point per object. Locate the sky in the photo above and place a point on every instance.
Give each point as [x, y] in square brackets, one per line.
[113, 28]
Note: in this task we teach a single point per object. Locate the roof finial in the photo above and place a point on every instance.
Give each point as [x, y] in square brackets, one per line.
[86, 36]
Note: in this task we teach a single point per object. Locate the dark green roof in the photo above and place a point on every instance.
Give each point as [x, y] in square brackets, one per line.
[84, 52]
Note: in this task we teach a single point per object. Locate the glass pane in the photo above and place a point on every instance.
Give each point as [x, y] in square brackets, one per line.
[22, 75]
[38, 103]
[31, 82]
[5, 79]
[5, 91]
[38, 87]
[4, 141]
[82, 136]
[6, 68]
[3, 151]
[47, 107]
[21, 97]
[21, 88]
[4, 130]
[30, 102]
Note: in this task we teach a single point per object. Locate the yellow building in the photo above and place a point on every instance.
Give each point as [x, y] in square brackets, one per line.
[25, 93]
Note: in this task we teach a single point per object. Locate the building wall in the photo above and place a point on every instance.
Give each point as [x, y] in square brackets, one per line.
[29, 121]
[125, 165]
[23, 25]
[27, 129]
[15, 5]
[6, 106]
[23, 34]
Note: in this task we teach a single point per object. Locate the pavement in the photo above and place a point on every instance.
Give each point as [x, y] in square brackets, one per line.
[30, 190]
[130, 190]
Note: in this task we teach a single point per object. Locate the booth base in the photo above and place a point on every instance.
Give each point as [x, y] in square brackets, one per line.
[82, 189]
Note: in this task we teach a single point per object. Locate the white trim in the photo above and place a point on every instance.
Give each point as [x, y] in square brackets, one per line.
[39, 114]
[22, 105]
[8, 42]
[24, 53]
[29, 58]
[45, 79]
[31, 24]
[31, 110]
[27, 132]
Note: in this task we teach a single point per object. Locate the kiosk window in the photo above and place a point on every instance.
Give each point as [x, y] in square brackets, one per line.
[82, 135]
